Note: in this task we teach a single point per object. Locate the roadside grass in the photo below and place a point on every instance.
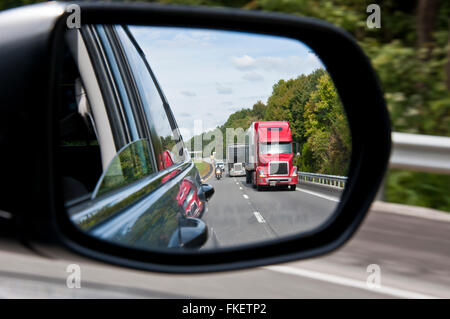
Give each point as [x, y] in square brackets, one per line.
[202, 167]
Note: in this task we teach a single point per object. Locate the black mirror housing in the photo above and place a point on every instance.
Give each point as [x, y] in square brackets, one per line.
[208, 190]
[43, 219]
[193, 232]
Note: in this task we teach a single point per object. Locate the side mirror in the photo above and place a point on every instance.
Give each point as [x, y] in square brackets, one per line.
[208, 190]
[193, 232]
[138, 205]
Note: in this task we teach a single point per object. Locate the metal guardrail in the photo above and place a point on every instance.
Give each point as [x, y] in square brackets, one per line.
[332, 180]
[425, 153]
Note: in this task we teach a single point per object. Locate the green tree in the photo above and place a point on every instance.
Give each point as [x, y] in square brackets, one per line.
[327, 132]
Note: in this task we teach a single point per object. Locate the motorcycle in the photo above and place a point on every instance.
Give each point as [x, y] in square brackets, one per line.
[218, 173]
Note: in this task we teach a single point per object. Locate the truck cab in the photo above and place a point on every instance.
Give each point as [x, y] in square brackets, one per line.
[269, 155]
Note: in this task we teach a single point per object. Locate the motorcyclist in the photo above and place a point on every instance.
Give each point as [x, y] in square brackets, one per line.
[218, 171]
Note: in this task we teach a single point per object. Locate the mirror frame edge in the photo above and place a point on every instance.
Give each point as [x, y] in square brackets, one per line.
[370, 145]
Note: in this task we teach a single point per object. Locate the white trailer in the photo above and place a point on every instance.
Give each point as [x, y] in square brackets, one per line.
[236, 159]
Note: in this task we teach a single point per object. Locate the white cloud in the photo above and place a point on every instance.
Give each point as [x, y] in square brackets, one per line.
[287, 64]
[253, 77]
[203, 35]
[184, 40]
[224, 90]
[188, 93]
[244, 62]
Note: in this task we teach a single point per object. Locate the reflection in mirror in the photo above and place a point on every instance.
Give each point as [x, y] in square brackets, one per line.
[261, 110]
[131, 164]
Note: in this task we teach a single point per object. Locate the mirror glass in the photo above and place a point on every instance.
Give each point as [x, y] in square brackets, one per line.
[198, 139]
[131, 164]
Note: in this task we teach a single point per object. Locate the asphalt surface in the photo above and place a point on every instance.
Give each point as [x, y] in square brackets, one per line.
[410, 246]
[239, 214]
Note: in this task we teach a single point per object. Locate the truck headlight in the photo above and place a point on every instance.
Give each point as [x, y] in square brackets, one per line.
[261, 173]
[294, 171]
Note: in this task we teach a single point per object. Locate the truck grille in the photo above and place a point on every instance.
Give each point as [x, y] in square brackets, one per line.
[193, 208]
[278, 168]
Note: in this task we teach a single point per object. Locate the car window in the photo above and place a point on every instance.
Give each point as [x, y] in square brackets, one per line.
[79, 149]
[171, 149]
[131, 164]
[119, 81]
[85, 175]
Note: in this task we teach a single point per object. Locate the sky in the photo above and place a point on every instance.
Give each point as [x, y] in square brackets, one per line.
[206, 75]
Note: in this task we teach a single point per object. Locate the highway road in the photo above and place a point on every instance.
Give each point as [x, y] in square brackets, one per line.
[410, 245]
[240, 214]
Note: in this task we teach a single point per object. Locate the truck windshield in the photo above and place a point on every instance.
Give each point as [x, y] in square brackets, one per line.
[275, 148]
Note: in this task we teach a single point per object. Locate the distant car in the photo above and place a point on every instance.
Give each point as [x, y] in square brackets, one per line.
[221, 164]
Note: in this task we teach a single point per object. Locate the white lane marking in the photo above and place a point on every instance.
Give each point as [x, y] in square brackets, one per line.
[237, 183]
[400, 293]
[240, 188]
[245, 196]
[259, 217]
[215, 238]
[334, 199]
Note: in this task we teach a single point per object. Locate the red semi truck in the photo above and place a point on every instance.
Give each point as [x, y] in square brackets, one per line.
[269, 155]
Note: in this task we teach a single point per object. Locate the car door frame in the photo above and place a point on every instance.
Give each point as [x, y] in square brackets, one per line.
[79, 212]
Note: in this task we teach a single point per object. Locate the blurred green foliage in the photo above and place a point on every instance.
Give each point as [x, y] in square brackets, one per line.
[433, 189]
[410, 53]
